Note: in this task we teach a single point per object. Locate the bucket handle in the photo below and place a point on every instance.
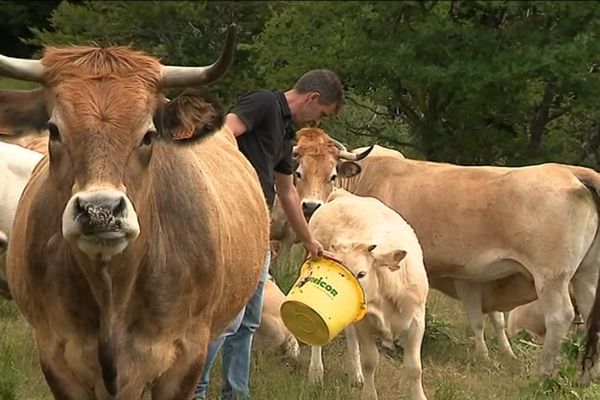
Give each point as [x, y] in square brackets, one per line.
[325, 255]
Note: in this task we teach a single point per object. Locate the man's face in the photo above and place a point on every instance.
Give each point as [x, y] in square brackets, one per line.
[312, 111]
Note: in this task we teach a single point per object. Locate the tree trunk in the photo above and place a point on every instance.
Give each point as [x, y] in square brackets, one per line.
[539, 121]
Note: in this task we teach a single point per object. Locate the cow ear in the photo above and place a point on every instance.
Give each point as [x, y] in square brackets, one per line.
[348, 169]
[190, 116]
[23, 111]
[391, 259]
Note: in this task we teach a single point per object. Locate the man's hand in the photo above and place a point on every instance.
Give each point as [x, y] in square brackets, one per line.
[314, 248]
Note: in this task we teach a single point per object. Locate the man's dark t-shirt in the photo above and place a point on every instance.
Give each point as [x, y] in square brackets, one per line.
[267, 143]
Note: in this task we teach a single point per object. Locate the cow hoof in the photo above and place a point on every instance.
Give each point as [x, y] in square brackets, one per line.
[315, 377]
[508, 353]
[388, 345]
[358, 381]
[585, 379]
[542, 371]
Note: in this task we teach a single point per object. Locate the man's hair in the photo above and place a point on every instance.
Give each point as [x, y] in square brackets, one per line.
[325, 82]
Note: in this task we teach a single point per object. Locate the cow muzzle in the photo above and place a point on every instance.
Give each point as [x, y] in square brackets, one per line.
[101, 222]
[309, 207]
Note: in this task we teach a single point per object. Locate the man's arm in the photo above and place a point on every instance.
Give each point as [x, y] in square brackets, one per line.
[290, 202]
[235, 124]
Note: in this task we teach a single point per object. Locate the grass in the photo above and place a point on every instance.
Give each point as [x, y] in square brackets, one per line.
[450, 369]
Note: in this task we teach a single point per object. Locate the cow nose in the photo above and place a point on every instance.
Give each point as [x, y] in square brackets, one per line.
[309, 207]
[100, 212]
[100, 221]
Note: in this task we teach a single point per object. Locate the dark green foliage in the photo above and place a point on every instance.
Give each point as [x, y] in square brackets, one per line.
[179, 32]
[475, 82]
[471, 82]
[16, 17]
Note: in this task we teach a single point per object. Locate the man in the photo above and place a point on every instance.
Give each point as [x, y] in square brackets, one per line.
[264, 123]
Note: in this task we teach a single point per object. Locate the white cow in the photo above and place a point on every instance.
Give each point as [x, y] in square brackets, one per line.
[382, 251]
[499, 237]
[16, 164]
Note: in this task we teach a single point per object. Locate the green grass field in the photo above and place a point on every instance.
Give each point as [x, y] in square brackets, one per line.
[450, 369]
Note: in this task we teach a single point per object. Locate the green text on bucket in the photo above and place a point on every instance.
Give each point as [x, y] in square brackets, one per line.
[321, 283]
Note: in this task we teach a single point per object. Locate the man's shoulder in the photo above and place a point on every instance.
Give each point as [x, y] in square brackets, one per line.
[260, 95]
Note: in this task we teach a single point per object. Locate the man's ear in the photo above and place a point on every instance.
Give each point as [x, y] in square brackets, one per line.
[191, 116]
[390, 259]
[314, 96]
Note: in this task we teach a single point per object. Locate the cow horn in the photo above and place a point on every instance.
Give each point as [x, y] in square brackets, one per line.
[346, 155]
[176, 76]
[338, 144]
[22, 69]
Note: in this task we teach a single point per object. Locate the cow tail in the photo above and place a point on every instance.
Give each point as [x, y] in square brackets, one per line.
[106, 345]
[592, 181]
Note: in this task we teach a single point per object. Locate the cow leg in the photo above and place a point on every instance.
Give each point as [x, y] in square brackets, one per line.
[558, 315]
[179, 382]
[369, 358]
[355, 370]
[584, 288]
[499, 323]
[471, 294]
[413, 339]
[63, 383]
[315, 369]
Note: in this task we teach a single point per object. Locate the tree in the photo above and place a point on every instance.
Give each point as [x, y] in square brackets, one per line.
[16, 16]
[180, 33]
[476, 82]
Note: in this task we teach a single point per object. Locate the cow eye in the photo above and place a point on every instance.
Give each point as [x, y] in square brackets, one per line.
[147, 139]
[54, 132]
[333, 178]
[361, 274]
[298, 175]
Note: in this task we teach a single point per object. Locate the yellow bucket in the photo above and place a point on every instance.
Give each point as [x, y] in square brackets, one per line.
[325, 299]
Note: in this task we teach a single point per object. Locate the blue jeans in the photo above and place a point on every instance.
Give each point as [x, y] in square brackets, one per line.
[237, 345]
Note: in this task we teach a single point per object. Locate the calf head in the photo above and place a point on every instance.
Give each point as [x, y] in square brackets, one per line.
[364, 259]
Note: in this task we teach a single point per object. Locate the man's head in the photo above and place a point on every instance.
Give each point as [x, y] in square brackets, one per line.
[316, 95]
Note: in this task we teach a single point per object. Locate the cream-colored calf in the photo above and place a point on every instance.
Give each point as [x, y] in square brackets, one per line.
[530, 318]
[382, 251]
[272, 335]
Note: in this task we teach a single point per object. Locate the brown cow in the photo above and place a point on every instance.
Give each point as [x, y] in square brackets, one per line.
[533, 228]
[129, 253]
